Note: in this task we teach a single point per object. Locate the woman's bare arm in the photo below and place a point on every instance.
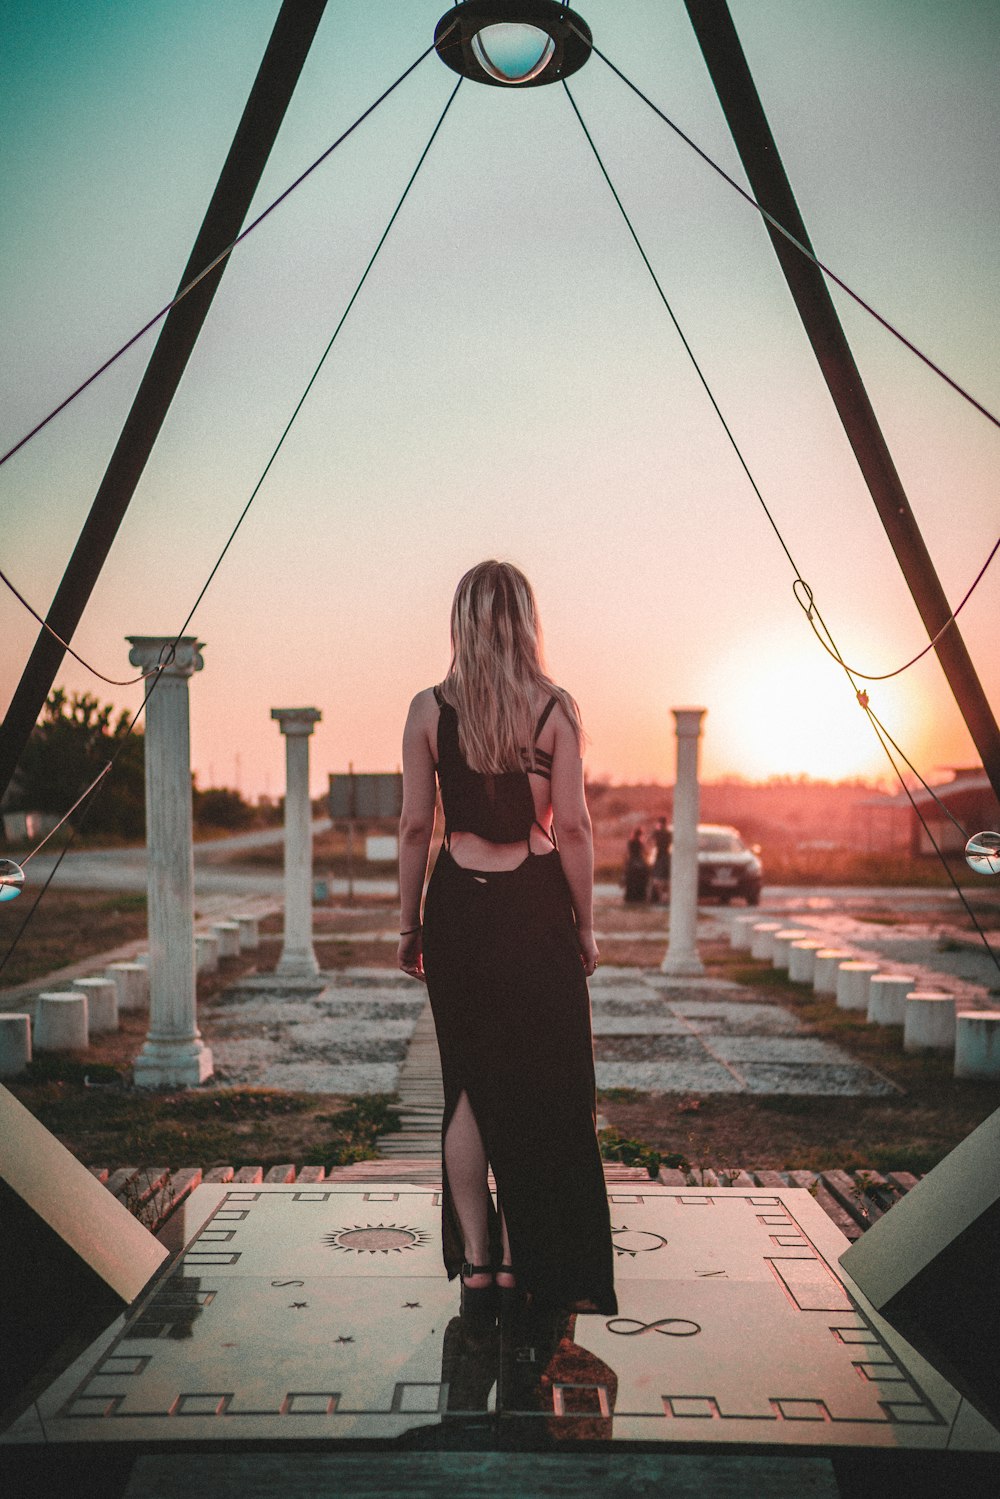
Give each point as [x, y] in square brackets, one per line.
[574, 832]
[416, 827]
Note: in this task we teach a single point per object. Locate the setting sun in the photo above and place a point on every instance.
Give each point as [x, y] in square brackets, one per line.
[779, 708]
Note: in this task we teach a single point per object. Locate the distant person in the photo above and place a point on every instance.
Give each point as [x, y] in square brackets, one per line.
[636, 867]
[506, 947]
[659, 875]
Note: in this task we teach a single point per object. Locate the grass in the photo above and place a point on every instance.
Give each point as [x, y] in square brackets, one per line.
[68, 925]
[104, 1121]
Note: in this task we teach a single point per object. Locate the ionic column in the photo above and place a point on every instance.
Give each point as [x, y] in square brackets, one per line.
[682, 948]
[298, 960]
[174, 1054]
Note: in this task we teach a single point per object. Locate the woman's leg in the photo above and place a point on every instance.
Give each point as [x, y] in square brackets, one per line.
[465, 1163]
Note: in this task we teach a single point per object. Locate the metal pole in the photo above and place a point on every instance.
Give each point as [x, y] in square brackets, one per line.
[744, 112]
[265, 109]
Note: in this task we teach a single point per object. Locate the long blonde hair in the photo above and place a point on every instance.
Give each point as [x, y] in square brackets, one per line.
[497, 669]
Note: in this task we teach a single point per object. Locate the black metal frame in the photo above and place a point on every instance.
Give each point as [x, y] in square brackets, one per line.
[569, 32]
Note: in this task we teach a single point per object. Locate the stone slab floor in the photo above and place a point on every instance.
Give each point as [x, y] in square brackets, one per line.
[349, 1033]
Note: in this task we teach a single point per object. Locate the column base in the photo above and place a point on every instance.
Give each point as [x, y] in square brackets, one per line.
[297, 965]
[684, 965]
[172, 1064]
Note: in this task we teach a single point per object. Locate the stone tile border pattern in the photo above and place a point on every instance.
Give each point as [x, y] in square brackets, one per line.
[853, 1200]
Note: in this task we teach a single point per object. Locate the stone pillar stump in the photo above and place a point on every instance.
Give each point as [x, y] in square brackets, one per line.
[682, 958]
[173, 1055]
[298, 960]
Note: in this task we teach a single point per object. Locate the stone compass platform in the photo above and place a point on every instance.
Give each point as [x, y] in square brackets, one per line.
[322, 1315]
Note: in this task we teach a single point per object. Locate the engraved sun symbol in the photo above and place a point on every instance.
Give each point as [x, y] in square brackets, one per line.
[635, 1241]
[376, 1238]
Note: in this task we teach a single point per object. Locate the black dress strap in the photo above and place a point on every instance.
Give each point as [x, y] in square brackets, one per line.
[543, 720]
[439, 696]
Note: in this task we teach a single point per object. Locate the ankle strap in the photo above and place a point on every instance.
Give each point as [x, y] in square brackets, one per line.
[468, 1269]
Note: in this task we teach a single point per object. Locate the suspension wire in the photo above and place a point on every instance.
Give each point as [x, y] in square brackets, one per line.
[813, 610]
[207, 270]
[111, 681]
[807, 608]
[879, 730]
[802, 249]
[169, 652]
[95, 782]
[680, 333]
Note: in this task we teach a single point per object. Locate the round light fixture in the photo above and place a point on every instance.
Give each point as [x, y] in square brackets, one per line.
[982, 853]
[11, 879]
[513, 43]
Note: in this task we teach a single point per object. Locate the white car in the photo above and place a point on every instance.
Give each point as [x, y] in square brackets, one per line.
[726, 867]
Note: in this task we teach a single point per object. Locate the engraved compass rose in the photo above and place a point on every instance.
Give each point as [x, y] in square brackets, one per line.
[635, 1241]
[376, 1238]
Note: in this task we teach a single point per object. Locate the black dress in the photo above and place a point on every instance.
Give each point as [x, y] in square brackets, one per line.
[512, 1014]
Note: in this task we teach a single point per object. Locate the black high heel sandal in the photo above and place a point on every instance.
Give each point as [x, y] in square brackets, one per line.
[480, 1300]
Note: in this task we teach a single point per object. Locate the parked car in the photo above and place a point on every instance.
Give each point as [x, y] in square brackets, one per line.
[726, 867]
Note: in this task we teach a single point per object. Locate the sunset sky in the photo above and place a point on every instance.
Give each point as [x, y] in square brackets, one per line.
[508, 383]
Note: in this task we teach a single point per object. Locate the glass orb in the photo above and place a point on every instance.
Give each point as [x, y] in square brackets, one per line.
[11, 879]
[982, 853]
[512, 52]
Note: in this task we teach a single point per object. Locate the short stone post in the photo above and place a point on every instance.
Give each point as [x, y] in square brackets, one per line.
[853, 979]
[132, 983]
[173, 1055]
[298, 960]
[249, 932]
[61, 1021]
[206, 952]
[781, 944]
[741, 933]
[760, 939]
[977, 1044]
[825, 968]
[802, 959]
[928, 1021]
[228, 935]
[15, 1044]
[682, 958]
[887, 997]
[102, 1004]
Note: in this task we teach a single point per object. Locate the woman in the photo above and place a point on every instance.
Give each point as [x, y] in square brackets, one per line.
[506, 947]
[636, 867]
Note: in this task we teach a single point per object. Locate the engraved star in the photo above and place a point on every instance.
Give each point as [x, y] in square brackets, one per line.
[297, 1306]
[343, 1340]
[410, 1304]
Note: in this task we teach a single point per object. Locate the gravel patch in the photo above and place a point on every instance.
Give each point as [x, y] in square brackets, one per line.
[650, 1048]
[612, 1024]
[738, 1020]
[839, 1081]
[667, 1077]
[796, 1050]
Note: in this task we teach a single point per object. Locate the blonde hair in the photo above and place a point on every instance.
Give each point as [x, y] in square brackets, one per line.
[497, 669]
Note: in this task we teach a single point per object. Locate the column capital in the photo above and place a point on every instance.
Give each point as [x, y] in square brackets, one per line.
[149, 651]
[688, 721]
[296, 721]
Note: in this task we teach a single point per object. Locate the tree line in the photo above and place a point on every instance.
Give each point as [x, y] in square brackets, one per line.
[73, 740]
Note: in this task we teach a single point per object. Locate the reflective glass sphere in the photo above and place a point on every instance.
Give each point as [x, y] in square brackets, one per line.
[11, 879]
[982, 853]
[512, 52]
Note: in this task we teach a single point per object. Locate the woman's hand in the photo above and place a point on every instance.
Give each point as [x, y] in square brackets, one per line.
[410, 955]
[588, 950]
